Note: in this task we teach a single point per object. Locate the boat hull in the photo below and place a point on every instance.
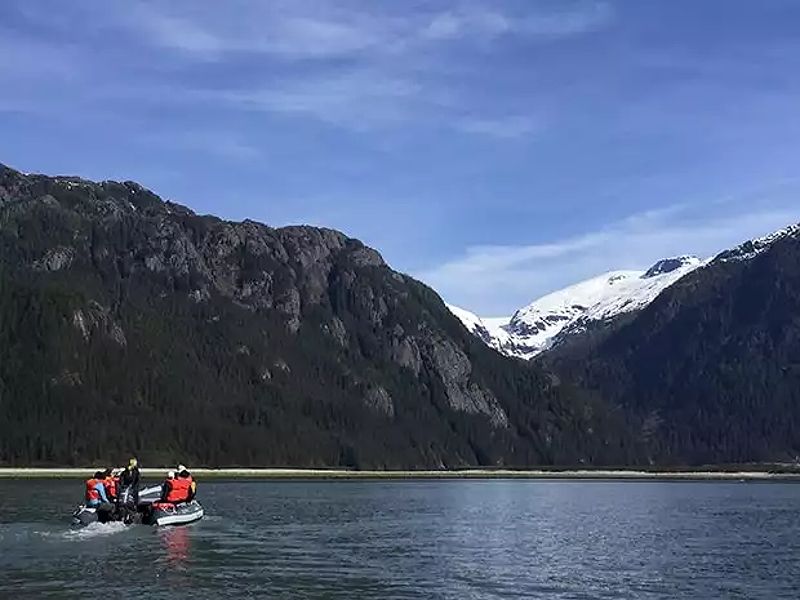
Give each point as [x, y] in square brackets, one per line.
[162, 514]
[147, 512]
[84, 515]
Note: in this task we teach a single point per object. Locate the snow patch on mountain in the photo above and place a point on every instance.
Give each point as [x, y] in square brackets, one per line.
[536, 327]
[490, 330]
[752, 248]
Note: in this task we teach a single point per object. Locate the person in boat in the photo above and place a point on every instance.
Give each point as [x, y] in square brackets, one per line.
[111, 483]
[166, 486]
[176, 489]
[96, 491]
[183, 473]
[129, 480]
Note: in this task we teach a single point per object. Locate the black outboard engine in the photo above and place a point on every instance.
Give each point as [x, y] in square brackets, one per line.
[105, 513]
[127, 511]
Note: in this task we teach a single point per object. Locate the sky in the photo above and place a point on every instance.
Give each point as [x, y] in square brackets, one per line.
[496, 150]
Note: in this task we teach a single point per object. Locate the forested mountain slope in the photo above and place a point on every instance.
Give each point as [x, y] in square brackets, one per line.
[129, 324]
[710, 370]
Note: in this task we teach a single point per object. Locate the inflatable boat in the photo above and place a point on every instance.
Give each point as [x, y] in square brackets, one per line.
[148, 511]
[166, 513]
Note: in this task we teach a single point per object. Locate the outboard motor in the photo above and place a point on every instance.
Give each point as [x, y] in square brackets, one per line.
[106, 513]
[84, 515]
[127, 511]
[125, 498]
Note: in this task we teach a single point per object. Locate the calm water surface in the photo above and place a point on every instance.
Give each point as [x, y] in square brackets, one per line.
[407, 539]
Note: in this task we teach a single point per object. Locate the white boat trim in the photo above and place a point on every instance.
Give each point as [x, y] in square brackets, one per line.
[177, 519]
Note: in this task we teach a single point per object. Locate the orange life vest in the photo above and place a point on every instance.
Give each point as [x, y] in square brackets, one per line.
[178, 489]
[111, 486]
[91, 493]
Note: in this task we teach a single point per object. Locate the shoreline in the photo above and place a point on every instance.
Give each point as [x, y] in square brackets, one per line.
[342, 474]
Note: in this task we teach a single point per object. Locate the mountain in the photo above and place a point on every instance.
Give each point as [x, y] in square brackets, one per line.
[131, 324]
[490, 331]
[710, 369]
[569, 312]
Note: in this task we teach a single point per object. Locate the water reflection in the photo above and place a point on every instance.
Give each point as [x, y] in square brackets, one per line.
[176, 542]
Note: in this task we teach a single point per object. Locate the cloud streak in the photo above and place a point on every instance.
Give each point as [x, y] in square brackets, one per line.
[480, 22]
[391, 67]
[220, 144]
[508, 127]
[498, 279]
[313, 29]
[358, 99]
[257, 28]
[353, 65]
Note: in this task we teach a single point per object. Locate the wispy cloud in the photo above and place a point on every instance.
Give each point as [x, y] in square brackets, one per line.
[503, 127]
[359, 99]
[29, 59]
[180, 33]
[261, 28]
[368, 98]
[390, 67]
[308, 28]
[498, 279]
[356, 65]
[222, 144]
[480, 21]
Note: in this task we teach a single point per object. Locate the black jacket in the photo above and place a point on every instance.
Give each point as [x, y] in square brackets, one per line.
[129, 478]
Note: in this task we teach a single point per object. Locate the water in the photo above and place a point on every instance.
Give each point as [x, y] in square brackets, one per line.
[417, 539]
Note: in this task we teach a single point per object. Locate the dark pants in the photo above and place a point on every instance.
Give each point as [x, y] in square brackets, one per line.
[105, 512]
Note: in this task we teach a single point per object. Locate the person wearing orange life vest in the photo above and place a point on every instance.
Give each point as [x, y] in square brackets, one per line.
[111, 483]
[176, 489]
[183, 472]
[96, 490]
[166, 486]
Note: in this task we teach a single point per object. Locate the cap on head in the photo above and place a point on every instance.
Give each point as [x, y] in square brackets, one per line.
[181, 468]
[170, 474]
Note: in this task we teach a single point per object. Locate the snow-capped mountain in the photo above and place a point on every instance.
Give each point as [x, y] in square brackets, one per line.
[491, 331]
[552, 318]
[537, 326]
[754, 247]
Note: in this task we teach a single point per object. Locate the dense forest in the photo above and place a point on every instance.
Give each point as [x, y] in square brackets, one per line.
[132, 325]
[710, 371]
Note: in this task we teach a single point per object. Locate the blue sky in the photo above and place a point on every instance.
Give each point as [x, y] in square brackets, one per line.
[497, 150]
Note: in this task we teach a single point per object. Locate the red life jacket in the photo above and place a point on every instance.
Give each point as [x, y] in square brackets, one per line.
[111, 486]
[91, 493]
[178, 489]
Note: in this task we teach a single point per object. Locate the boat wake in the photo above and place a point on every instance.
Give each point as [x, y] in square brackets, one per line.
[38, 540]
[93, 530]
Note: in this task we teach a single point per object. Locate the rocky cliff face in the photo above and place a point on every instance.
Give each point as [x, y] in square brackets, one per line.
[239, 343]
